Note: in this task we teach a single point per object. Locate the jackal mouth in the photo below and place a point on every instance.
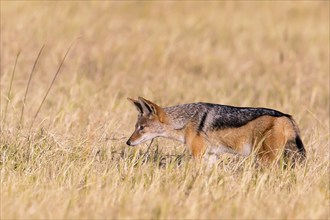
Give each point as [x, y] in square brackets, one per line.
[137, 142]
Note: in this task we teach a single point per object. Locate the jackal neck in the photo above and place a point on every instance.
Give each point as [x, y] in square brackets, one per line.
[177, 135]
[180, 115]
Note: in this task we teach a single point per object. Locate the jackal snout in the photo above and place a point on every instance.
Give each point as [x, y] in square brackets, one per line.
[128, 142]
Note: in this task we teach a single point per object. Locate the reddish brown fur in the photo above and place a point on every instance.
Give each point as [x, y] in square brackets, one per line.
[196, 143]
[267, 132]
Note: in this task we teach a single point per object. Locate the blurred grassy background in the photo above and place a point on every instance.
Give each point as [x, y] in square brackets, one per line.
[270, 54]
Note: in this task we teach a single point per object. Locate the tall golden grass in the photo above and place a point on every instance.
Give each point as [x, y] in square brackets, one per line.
[73, 161]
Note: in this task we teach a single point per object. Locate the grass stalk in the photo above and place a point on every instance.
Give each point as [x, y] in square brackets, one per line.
[10, 86]
[50, 86]
[28, 85]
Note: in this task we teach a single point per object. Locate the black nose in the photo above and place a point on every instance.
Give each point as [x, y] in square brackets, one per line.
[128, 142]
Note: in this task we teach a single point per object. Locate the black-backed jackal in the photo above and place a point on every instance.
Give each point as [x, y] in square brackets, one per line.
[211, 129]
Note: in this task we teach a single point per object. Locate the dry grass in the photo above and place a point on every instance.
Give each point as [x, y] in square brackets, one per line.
[74, 162]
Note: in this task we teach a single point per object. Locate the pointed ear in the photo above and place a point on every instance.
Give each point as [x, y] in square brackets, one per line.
[152, 109]
[137, 105]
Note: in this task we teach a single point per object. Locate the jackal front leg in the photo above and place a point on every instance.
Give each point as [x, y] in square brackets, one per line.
[196, 144]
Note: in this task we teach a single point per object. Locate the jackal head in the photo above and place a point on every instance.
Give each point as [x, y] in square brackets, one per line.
[151, 122]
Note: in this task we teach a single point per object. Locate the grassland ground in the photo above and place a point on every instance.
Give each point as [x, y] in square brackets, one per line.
[70, 160]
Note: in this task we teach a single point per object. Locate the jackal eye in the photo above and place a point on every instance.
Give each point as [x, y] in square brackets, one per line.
[141, 127]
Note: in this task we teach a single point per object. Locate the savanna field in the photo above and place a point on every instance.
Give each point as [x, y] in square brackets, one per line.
[66, 156]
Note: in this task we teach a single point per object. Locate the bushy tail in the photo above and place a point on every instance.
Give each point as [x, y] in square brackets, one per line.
[295, 148]
[294, 152]
[301, 148]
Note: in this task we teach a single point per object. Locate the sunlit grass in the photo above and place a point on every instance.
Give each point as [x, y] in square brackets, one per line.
[74, 163]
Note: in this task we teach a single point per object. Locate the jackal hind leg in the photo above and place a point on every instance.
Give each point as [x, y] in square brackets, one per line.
[272, 147]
